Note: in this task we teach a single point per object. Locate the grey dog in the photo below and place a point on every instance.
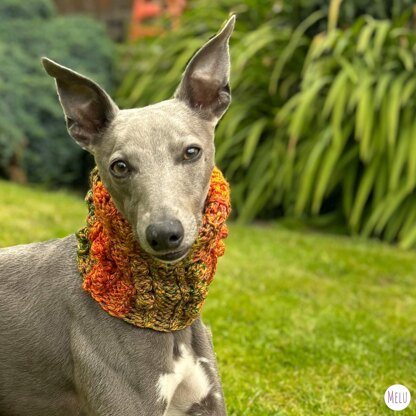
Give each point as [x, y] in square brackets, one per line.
[60, 353]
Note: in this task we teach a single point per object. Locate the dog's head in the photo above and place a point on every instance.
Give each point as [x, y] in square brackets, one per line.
[156, 161]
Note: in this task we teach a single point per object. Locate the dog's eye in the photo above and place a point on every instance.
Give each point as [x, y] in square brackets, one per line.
[191, 152]
[119, 168]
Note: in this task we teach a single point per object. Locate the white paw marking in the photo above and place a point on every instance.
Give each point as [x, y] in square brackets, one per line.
[186, 385]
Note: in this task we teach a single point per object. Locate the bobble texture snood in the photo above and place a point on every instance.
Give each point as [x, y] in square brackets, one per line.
[130, 284]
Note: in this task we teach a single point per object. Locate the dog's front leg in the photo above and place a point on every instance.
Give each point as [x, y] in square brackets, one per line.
[108, 382]
[200, 392]
[104, 392]
[212, 405]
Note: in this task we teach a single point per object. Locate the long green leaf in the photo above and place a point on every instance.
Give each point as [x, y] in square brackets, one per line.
[311, 168]
[363, 192]
[409, 239]
[303, 113]
[382, 31]
[290, 49]
[394, 107]
[326, 170]
[252, 140]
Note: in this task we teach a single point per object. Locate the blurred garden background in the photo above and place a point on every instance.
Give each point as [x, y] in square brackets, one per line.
[314, 307]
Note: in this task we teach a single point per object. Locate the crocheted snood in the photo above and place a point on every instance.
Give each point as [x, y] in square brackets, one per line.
[130, 284]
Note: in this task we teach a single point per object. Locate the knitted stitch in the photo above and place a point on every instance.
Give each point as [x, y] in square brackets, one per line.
[130, 284]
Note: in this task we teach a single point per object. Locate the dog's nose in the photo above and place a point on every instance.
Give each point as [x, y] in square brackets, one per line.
[166, 235]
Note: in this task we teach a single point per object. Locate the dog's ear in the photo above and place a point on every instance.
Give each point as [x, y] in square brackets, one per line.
[205, 82]
[87, 107]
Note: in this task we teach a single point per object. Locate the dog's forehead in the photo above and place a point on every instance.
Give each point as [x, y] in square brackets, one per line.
[164, 123]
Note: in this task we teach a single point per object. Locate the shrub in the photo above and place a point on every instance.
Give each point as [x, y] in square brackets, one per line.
[12, 9]
[303, 135]
[351, 129]
[347, 11]
[32, 128]
[249, 148]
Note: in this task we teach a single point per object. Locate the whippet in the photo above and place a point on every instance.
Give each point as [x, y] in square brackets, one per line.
[60, 353]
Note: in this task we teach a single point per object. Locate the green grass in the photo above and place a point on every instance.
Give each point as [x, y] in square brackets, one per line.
[28, 214]
[303, 323]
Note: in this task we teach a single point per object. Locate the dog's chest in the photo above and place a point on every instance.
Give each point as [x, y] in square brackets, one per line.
[186, 385]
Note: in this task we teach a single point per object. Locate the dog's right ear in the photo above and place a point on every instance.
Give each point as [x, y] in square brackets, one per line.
[87, 107]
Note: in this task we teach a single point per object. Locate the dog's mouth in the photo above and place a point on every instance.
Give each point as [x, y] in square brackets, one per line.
[172, 257]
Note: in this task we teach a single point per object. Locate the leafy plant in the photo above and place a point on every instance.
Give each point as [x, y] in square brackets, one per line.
[347, 11]
[352, 132]
[33, 137]
[318, 125]
[12, 9]
[249, 147]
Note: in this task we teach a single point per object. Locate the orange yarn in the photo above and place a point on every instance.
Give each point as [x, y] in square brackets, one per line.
[129, 283]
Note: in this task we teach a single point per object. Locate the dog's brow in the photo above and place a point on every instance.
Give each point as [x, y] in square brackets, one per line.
[187, 140]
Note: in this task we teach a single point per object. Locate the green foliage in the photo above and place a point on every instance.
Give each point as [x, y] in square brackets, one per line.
[249, 147]
[299, 319]
[352, 130]
[348, 10]
[31, 120]
[318, 125]
[12, 9]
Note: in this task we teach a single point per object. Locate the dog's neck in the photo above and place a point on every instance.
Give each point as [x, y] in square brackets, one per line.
[132, 285]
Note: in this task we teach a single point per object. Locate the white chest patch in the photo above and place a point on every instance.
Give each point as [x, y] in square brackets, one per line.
[186, 385]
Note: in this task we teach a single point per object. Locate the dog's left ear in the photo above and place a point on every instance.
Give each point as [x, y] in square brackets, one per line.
[205, 84]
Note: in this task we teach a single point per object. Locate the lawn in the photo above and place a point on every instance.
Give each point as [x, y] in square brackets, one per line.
[304, 323]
